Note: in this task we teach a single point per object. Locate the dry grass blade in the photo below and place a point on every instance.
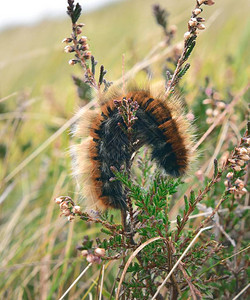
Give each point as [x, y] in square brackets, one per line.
[132, 256]
[101, 288]
[179, 260]
[77, 279]
[50, 140]
[241, 292]
[221, 117]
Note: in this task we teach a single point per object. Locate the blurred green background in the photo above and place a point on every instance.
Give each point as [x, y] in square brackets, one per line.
[38, 256]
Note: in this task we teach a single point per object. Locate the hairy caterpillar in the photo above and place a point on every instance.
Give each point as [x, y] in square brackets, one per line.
[161, 125]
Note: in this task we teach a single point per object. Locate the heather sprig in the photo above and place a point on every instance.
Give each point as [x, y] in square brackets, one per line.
[78, 45]
[195, 24]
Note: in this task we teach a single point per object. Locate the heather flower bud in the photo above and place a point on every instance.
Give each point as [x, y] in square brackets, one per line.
[239, 183]
[87, 55]
[58, 200]
[209, 112]
[192, 22]
[84, 47]
[232, 161]
[172, 29]
[201, 26]
[80, 24]
[76, 209]
[230, 175]
[221, 104]
[78, 30]
[83, 40]
[201, 1]
[199, 19]
[197, 11]
[245, 157]
[100, 252]
[91, 258]
[237, 168]
[67, 40]
[69, 49]
[72, 62]
[242, 150]
[70, 218]
[66, 212]
[210, 120]
[187, 35]
[209, 2]
[84, 253]
[64, 205]
[216, 112]
[240, 162]
[207, 101]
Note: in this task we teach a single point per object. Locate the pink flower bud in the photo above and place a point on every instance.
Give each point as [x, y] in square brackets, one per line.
[197, 11]
[100, 252]
[187, 35]
[58, 200]
[76, 209]
[201, 26]
[84, 253]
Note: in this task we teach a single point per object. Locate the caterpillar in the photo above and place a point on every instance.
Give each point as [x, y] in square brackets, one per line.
[161, 125]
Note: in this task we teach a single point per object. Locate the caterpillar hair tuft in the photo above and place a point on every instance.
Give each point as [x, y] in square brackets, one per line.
[161, 124]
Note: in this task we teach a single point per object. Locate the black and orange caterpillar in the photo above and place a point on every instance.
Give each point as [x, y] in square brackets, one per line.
[161, 124]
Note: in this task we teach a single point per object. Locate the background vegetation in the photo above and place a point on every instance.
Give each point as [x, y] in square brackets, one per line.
[38, 257]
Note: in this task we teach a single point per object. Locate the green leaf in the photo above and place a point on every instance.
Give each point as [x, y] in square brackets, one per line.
[76, 13]
[186, 203]
[192, 198]
[83, 89]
